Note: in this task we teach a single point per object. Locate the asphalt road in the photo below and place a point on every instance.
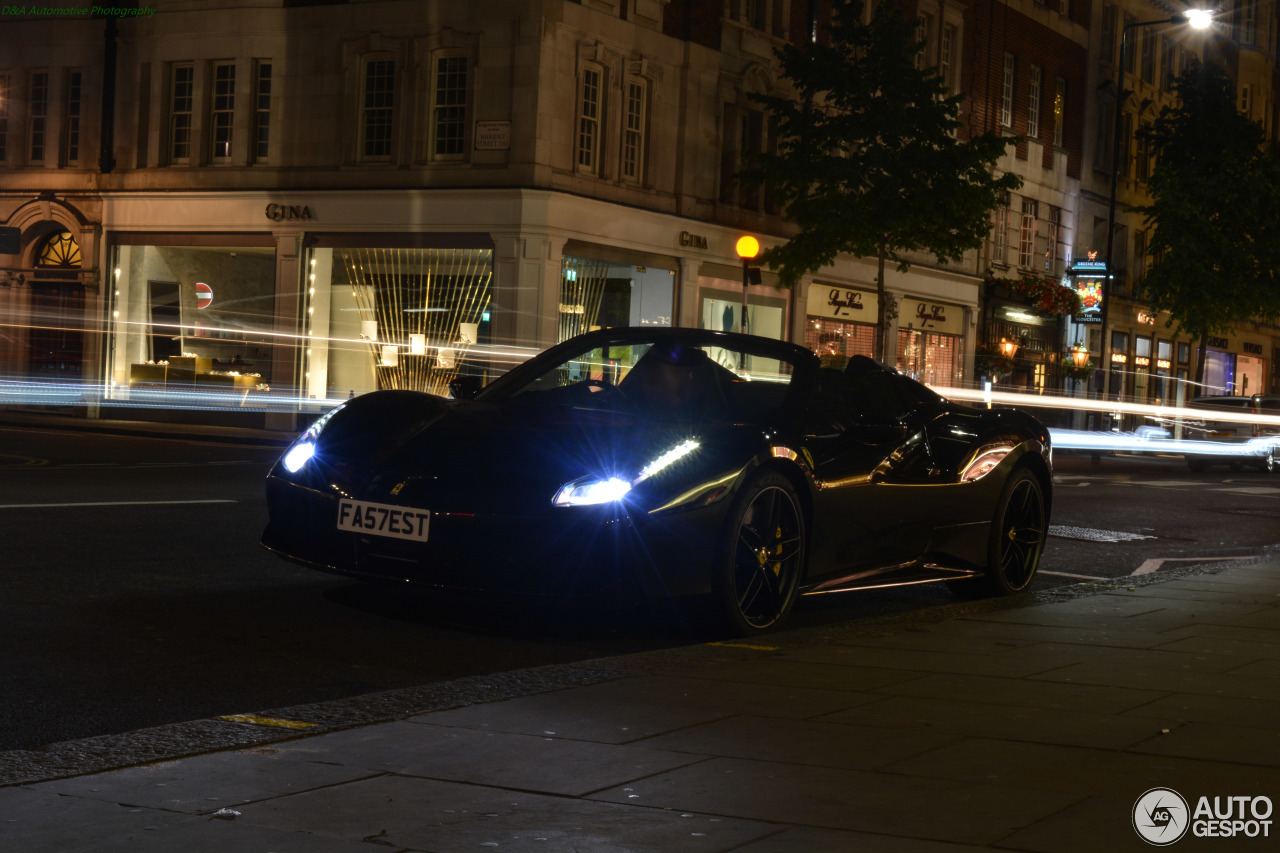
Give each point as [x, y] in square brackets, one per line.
[135, 593]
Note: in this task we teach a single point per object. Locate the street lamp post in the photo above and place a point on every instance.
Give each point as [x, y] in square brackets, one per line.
[747, 248]
[1197, 19]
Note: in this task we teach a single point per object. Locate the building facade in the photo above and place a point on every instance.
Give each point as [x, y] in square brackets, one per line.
[317, 199]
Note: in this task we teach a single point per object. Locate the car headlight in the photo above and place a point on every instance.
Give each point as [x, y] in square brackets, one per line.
[600, 490]
[984, 463]
[587, 492]
[298, 455]
[304, 448]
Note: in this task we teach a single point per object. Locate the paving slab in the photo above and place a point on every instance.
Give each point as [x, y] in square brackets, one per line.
[981, 719]
[1022, 661]
[32, 820]
[818, 676]
[550, 765]
[1027, 693]
[443, 817]
[1219, 743]
[1071, 630]
[1127, 675]
[1198, 707]
[810, 840]
[206, 783]
[1083, 771]
[883, 803]
[824, 744]
[1211, 645]
[632, 709]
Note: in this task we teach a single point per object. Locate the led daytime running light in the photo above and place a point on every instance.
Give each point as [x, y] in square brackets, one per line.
[667, 459]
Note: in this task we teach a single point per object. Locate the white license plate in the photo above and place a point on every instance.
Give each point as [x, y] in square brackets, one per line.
[397, 522]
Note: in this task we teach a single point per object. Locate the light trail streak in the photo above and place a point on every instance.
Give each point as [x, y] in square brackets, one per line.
[1153, 437]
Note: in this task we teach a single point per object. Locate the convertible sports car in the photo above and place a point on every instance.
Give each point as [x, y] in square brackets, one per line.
[663, 462]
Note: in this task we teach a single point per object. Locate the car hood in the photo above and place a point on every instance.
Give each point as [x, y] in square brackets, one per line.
[504, 457]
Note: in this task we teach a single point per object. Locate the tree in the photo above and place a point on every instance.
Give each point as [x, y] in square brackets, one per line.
[869, 159]
[1215, 211]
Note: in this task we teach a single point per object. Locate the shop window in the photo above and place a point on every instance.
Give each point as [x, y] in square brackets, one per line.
[420, 312]
[377, 109]
[37, 115]
[71, 117]
[597, 294]
[590, 111]
[261, 110]
[222, 111]
[836, 341]
[929, 357]
[449, 90]
[193, 317]
[1219, 373]
[181, 103]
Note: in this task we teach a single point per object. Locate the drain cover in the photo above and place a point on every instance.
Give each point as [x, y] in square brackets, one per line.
[1090, 534]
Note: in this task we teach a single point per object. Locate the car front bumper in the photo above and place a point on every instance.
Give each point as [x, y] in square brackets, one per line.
[592, 551]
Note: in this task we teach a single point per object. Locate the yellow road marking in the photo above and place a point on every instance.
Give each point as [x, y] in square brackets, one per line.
[745, 646]
[267, 721]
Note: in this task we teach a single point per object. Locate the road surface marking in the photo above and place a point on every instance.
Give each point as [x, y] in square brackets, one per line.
[1072, 575]
[254, 719]
[1090, 534]
[114, 503]
[1149, 566]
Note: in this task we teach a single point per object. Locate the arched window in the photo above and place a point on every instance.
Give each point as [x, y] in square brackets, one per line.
[60, 250]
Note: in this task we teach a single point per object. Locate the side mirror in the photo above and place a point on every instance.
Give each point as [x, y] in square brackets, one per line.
[465, 387]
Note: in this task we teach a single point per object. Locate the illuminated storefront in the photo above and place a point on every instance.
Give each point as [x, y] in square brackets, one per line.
[931, 341]
[841, 321]
[192, 312]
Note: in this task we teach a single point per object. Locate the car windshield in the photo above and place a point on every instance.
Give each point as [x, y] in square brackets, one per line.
[664, 379]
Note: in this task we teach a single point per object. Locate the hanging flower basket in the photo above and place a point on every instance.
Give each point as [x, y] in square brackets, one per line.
[992, 364]
[1079, 373]
[1045, 295]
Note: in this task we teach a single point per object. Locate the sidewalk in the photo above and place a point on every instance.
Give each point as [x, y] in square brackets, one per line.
[1033, 727]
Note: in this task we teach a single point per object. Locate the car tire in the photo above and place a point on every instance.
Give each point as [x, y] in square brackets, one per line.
[1196, 465]
[1018, 529]
[761, 557]
[1269, 464]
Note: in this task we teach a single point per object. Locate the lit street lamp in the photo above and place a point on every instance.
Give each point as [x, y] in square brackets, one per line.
[747, 248]
[1197, 19]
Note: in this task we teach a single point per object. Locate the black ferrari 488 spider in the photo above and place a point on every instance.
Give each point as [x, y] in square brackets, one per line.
[678, 463]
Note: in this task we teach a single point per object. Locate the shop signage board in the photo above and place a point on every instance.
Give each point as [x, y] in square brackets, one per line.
[843, 303]
[925, 316]
[1088, 278]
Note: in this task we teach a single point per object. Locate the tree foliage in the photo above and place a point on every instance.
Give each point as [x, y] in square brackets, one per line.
[1215, 210]
[868, 159]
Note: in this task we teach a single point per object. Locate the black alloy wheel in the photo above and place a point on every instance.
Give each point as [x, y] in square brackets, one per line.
[762, 557]
[1018, 531]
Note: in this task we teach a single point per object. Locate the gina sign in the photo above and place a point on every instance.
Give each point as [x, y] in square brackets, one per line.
[289, 212]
